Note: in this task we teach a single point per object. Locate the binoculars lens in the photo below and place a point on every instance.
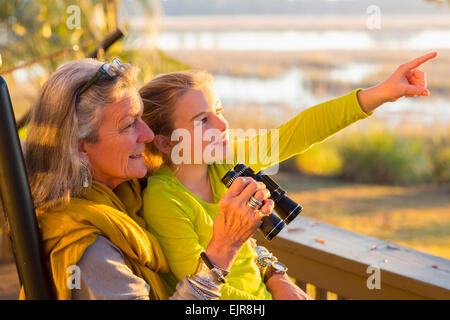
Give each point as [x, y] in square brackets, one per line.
[285, 209]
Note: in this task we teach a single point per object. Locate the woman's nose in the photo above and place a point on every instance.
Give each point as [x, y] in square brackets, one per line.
[146, 134]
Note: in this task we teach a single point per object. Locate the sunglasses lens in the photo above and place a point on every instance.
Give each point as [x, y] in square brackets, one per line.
[114, 68]
[110, 70]
[116, 62]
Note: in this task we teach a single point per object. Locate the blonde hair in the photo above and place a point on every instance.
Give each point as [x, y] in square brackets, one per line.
[160, 97]
[60, 118]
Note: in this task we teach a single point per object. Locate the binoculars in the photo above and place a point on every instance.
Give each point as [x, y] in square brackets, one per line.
[285, 209]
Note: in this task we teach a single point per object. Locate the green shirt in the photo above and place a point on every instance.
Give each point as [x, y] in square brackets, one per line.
[183, 223]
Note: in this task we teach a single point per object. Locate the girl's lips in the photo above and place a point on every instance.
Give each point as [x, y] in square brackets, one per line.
[223, 142]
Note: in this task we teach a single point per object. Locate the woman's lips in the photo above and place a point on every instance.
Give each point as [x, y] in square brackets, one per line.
[136, 156]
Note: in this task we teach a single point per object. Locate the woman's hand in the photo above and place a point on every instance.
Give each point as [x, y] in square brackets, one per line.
[237, 221]
[406, 81]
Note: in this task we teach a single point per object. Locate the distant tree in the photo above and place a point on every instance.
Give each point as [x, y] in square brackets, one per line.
[30, 29]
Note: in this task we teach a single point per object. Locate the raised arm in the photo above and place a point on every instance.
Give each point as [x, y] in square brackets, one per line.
[319, 122]
[311, 126]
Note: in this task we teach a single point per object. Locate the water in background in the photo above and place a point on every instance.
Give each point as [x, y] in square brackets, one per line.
[289, 40]
[292, 88]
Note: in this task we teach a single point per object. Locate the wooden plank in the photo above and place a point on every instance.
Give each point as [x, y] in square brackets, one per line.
[337, 260]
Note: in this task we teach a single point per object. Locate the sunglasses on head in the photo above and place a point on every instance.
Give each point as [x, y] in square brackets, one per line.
[108, 70]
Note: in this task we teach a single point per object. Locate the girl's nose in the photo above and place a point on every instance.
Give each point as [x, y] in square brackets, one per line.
[222, 123]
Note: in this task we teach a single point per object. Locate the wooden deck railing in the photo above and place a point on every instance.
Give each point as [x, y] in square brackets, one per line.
[332, 260]
[332, 263]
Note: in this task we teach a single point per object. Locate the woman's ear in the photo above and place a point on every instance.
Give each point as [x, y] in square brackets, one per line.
[82, 149]
[162, 143]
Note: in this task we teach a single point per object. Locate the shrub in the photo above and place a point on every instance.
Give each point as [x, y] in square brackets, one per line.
[321, 159]
[377, 156]
[441, 165]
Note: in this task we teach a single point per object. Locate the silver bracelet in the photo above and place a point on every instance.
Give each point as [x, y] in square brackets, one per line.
[197, 291]
[219, 273]
[206, 292]
[208, 282]
[205, 282]
[214, 275]
[264, 258]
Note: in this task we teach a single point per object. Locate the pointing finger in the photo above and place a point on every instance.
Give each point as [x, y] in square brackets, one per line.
[418, 61]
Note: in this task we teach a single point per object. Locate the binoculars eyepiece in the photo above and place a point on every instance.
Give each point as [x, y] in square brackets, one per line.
[285, 209]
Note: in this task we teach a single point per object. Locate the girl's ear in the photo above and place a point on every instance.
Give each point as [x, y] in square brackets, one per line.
[162, 143]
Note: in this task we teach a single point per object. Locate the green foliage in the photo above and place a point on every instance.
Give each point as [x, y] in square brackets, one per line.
[322, 159]
[40, 28]
[440, 155]
[382, 157]
[379, 156]
[150, 63]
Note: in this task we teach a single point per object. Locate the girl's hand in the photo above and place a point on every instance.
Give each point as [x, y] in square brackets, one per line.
[406, 81]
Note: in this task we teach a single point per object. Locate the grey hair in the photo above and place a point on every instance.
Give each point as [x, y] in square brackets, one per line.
[60, 119]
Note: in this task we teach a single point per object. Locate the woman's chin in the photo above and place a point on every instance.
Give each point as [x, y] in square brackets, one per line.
[137, 170]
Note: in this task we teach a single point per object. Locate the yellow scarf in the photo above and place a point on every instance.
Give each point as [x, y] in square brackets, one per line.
[67, 232]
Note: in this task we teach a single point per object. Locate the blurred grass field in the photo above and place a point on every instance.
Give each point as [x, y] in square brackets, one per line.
[389, 185]
[416, 216]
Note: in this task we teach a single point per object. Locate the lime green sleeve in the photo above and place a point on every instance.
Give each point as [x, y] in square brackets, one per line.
[167, 218]
[311, 126]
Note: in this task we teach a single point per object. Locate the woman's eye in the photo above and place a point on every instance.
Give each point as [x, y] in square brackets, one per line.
[131, 125]
[204, 120]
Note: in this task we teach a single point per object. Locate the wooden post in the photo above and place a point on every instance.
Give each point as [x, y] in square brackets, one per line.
[302, 285]
[321, 294]
[5, 248]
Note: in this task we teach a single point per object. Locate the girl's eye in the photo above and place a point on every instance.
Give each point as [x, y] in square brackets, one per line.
[204, 120]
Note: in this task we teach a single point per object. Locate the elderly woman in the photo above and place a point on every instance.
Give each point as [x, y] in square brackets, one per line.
[83, 154]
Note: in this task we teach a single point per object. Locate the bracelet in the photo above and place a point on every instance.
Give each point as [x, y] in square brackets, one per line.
[263, 257]
[205, 292]
[268, 263]
[207, 280]
[220, 273]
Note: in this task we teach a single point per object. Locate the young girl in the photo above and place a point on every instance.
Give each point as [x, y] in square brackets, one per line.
[183, 194]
